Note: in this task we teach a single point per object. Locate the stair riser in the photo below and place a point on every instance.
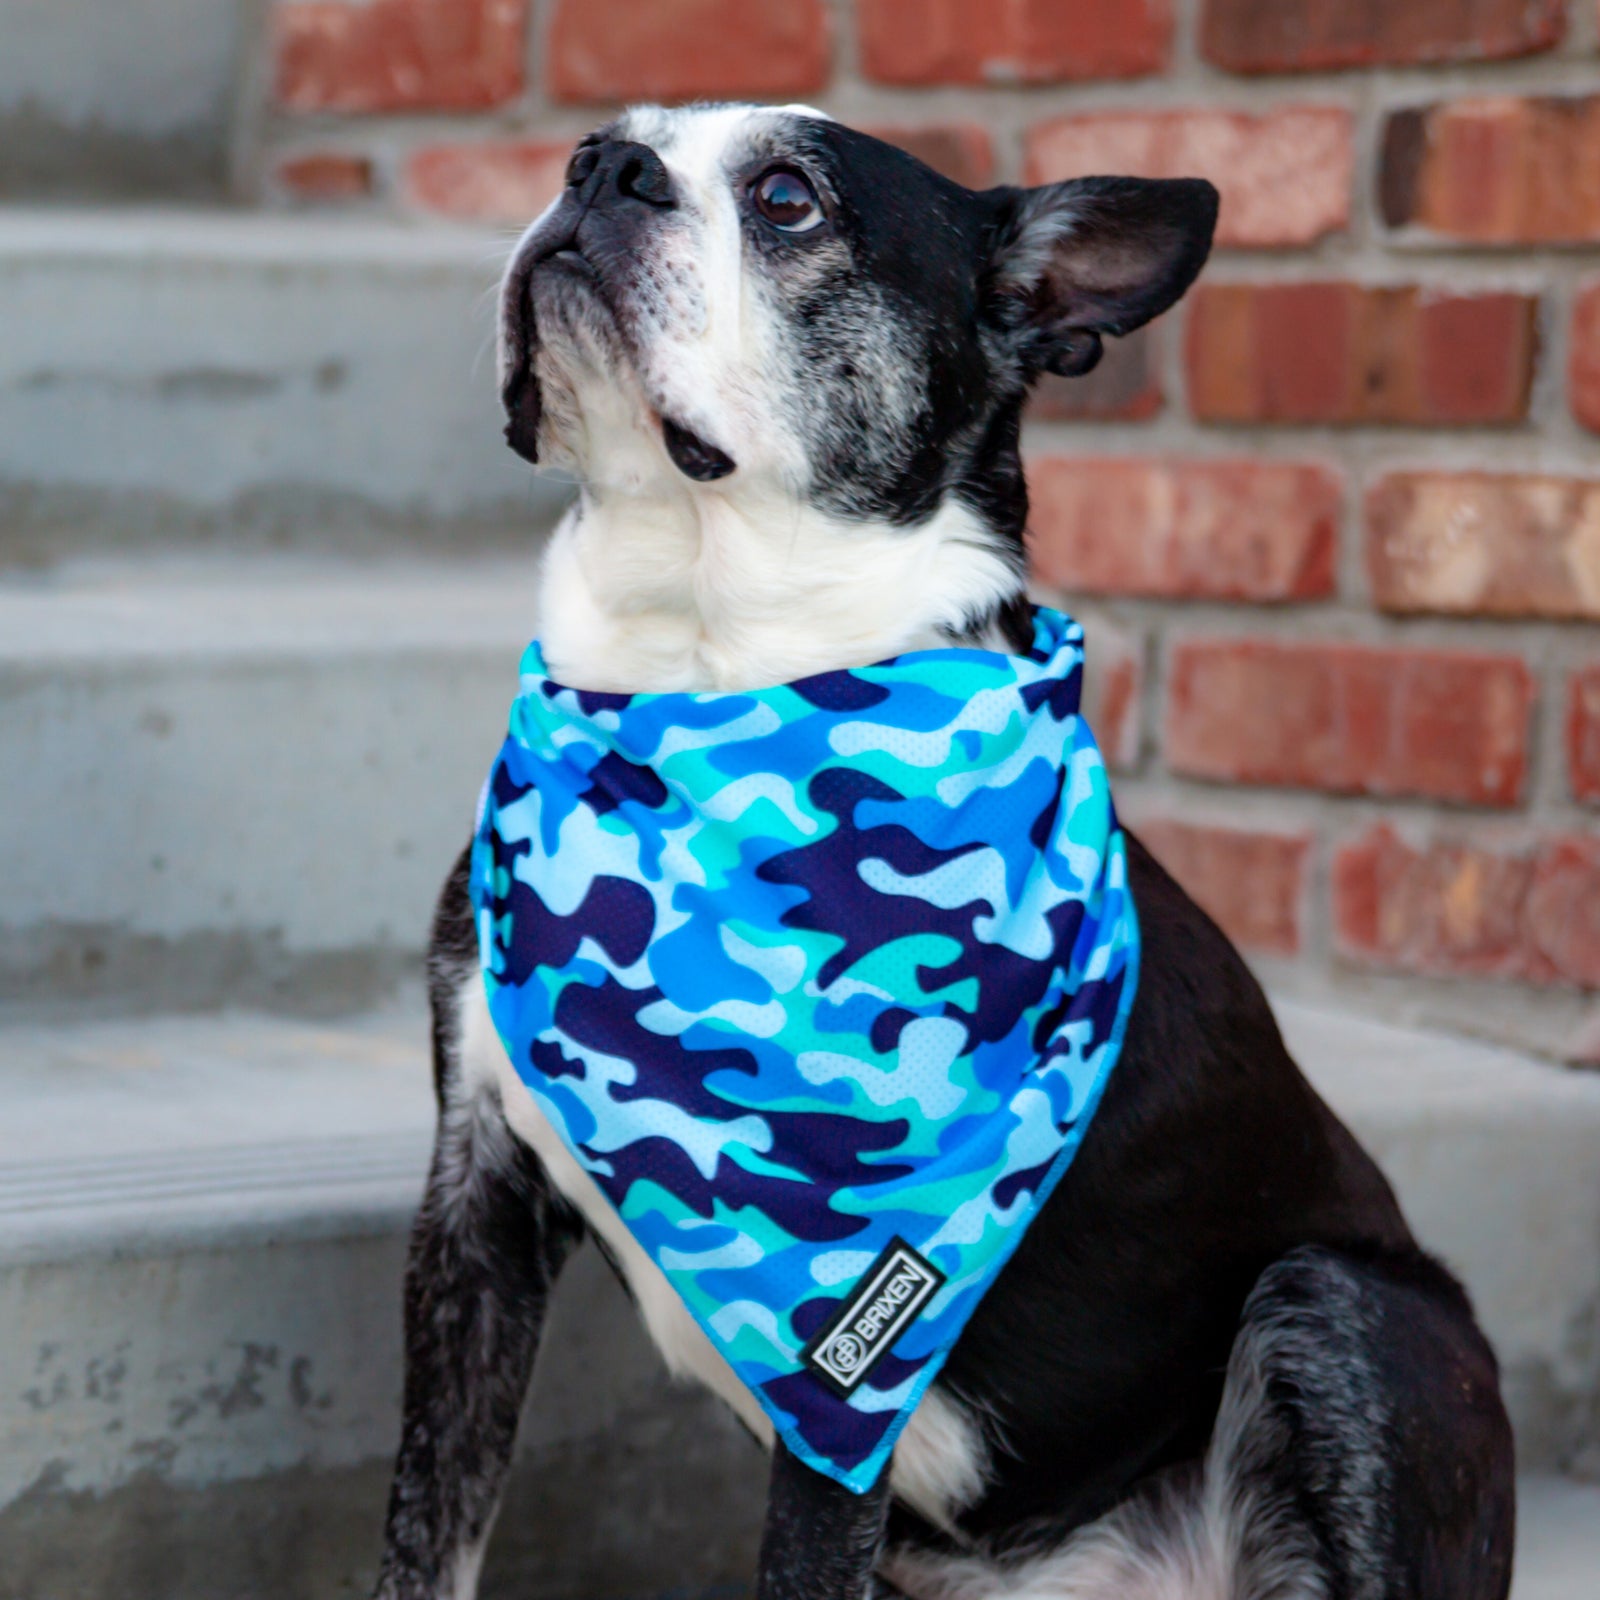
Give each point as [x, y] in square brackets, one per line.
[187, 832]
[335, 387]
[1513, 1208]
[203, 1423]
[123, 101]
[209, 1363]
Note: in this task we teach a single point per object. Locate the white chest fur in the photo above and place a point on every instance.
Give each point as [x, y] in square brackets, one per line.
[709, 592]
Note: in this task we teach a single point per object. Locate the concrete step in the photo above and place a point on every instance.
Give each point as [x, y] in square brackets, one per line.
[202, 1233]
[214, 378]
[242, 780]
[1496, 1160]
[202, 1229]
[135, 99]
[1558, 1540]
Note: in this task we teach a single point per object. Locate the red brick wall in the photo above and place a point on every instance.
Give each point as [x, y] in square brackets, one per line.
[1334, 524]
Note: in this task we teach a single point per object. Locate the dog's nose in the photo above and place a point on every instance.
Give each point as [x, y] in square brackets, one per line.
[619, 170]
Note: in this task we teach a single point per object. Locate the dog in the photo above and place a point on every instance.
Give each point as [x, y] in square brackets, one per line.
[786, 363]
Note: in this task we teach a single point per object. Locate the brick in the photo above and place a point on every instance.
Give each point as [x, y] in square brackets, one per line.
[1350, 719]
[960, 150]
[504, 180]
[1314, 35]
[1285, 175]
[1112, 681]
[1495, 171]
[1583, 733]
[1125, 387]
[1227, 530]
[321, 176]
[1252, 885]
[399, 55]
[613, 50]
[1485, 544]
[1583, 374]
[1333, 352]
[1469, 910]
[1564, 909]
[923, 42]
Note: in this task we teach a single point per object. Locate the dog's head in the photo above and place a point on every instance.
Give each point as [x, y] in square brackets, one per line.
[763, 300]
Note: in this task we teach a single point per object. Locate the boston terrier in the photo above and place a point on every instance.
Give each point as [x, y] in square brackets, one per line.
[786, 364]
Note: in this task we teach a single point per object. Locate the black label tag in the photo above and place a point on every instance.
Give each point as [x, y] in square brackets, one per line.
[884, 1304]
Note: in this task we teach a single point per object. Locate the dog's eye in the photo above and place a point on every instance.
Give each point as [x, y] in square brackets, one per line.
[787, 201]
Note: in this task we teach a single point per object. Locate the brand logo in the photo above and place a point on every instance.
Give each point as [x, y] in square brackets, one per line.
[886, 1302]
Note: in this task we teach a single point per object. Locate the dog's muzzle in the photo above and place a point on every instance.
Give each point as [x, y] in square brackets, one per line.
[613, 187]
[615, 190]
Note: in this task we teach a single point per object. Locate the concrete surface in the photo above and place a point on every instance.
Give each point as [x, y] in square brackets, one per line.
[667, 1503]
[1558, 1541]
[242, 781]
[114, 101]
[202, 1226]
[202, 1233]
[215, 377]
[1496, 1159]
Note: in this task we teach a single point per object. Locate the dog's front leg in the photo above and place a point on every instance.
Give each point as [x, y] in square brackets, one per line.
[820, 1541]
[488, 1242]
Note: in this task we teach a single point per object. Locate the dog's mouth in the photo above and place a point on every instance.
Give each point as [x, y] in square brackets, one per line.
[696, 457]
[519, 393]
[693, 456]
[569, 258]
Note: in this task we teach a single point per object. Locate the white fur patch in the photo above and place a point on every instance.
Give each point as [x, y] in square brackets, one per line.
[654, 582]
[696, 590]
[1180, 1547]
[941, 1461]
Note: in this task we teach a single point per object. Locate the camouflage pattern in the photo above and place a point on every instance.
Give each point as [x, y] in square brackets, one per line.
[799, 971]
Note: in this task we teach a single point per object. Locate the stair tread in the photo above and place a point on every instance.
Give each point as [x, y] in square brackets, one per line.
[1367, 1065]
[1558, 1540]
[219, 1150]
[149, 1123]
[118, 1134]
[288, 604]
[164, 232]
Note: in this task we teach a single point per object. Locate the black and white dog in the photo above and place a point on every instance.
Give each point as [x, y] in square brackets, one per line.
[787, 363]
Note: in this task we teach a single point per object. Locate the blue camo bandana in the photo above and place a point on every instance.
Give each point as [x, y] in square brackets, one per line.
[822, 984]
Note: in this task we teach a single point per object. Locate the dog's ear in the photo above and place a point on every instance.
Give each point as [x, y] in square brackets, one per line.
[1074, 261]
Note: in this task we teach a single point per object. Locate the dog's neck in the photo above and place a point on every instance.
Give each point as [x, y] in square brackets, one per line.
[692, 588]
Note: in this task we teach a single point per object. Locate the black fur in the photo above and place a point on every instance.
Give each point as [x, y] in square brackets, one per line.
[1100, 1353]
[1221, 1247]
[1218, 1197]
[1207, 1139]
[818, 1539]
[1380, 1423]
[488, 1242]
